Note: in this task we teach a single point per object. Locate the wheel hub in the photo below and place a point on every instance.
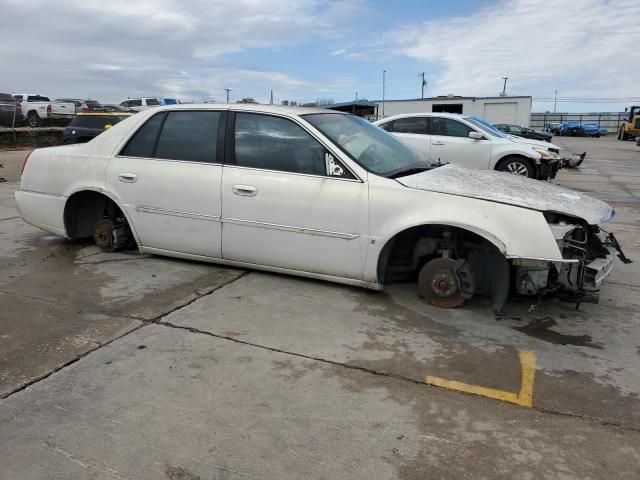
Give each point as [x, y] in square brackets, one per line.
[439, 283]
[517, 168]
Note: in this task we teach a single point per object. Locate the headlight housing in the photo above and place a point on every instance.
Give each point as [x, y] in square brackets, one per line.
[545, 154]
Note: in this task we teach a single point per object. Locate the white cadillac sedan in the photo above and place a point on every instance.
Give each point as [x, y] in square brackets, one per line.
[319, 194]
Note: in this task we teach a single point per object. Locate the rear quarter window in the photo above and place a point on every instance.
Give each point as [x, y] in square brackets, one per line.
[143, 142]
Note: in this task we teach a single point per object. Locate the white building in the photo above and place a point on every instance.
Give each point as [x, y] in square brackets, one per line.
[515, 110]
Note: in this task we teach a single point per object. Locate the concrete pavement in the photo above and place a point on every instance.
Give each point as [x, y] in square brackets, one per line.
[132, 366]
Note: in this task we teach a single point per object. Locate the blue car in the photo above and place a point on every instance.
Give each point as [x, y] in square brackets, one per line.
[593, 130]
[572, 128]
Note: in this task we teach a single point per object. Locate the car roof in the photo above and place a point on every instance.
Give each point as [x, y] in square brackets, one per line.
[250, 107]
[102, 114]
[425, 114]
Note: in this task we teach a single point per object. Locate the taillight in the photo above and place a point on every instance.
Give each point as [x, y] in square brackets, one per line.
[24, 164]
[49, 108]
[18, 107]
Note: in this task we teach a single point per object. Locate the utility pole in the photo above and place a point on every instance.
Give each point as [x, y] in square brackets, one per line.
[356, 96]
[555, 100]
[384, 73]
[504, 88]
[227, 90]
[423, 84]
[271, 98]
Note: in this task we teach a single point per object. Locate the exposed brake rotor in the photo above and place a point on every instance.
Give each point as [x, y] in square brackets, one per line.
[441, 285]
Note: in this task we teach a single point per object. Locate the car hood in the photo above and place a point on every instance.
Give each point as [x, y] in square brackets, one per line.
[535, 143]
[509, 189]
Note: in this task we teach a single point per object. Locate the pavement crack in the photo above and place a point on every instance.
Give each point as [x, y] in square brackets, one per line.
[379, 373]
[75, 359]
[143, 323]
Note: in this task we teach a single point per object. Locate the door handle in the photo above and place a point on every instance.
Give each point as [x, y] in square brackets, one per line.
[128, 177]
[245, 190]
[437, 142]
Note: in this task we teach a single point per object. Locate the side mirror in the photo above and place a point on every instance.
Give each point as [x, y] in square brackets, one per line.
[108, 126]
[476, 136]
[334, 169]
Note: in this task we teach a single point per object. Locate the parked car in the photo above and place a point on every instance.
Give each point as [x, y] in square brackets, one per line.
[553, 128]
[8, 110]
[523, 132]
[472, 142]
[318, 194]
[140, 104]
[83, 106]
[86, 126]
[592, 130]
[572, 128]
[36, 108]
[107, 107]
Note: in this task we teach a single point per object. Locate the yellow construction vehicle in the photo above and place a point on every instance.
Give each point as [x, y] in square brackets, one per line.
[630, 129]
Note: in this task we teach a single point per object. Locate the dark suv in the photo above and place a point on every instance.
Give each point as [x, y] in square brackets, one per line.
[524, 132]
[86, 126]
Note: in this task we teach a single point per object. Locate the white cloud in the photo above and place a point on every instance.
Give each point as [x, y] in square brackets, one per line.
[340, 51]
[582, 48]
[119, 48]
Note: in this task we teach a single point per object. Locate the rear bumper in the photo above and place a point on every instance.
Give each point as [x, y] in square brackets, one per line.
[42, 210]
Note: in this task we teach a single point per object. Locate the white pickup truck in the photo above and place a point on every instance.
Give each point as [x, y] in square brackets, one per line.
[36, 108]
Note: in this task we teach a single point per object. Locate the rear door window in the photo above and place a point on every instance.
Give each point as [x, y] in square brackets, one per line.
[152, 101]
[416, 125]
[189, 136]
[143, 142]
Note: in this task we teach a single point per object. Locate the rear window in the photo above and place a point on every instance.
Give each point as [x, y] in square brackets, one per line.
[95, 121]
[189, 136]
[37, 98]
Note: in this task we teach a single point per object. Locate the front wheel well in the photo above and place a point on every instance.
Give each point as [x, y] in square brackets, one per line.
[84, 209]
[404, 255]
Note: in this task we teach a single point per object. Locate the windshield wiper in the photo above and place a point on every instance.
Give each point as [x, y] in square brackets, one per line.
[410, 171]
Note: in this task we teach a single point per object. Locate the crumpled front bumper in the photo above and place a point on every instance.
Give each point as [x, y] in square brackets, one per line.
[548, 169]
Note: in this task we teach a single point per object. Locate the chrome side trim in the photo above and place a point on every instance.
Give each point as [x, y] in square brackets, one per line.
[177, 213]
[289, 228]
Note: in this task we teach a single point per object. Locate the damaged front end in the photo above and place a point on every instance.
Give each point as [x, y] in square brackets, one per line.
[588, 254]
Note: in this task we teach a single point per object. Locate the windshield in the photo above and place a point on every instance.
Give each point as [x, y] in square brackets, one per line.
[482, 124]
[371, 147]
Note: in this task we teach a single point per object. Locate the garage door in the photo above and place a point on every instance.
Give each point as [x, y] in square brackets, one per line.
[501, 112]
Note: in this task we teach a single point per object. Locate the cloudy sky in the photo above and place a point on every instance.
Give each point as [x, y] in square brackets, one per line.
[304, 50]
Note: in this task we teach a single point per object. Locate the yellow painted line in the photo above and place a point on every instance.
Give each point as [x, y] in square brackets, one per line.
[524, 397]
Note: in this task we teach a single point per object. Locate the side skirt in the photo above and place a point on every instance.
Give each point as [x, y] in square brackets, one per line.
[287, 271]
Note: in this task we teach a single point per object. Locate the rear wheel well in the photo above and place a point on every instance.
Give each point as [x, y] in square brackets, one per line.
[84, 209]
[404, 255]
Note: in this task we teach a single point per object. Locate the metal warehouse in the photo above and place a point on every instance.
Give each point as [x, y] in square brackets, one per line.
[515, 110]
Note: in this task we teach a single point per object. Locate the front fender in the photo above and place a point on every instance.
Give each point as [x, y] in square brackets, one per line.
[515, 231]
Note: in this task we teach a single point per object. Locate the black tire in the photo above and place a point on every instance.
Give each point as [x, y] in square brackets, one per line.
[517, 166]
[33, 119]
